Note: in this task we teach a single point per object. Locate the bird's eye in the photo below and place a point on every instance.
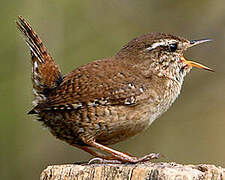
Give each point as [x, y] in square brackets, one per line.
[173, 47]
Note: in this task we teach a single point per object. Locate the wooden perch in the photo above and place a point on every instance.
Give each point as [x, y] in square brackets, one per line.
[150, 171]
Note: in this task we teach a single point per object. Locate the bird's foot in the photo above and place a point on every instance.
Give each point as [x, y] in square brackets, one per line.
[131, 159]
[145, 158]
[103, 161]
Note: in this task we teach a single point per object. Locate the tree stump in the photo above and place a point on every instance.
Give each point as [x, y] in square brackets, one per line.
[147, 171]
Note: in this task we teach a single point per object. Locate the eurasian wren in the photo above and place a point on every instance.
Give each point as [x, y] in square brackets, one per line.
[108, 100]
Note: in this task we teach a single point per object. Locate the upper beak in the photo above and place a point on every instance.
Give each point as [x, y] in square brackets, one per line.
[195, 64]
[195, 42]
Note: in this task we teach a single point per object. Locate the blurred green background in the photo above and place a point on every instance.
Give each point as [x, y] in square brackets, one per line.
[76, 32]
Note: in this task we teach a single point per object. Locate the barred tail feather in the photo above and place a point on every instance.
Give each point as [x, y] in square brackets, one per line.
[46, 75]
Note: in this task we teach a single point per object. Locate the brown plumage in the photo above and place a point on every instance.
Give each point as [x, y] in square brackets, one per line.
[46, 75]
[108, 100]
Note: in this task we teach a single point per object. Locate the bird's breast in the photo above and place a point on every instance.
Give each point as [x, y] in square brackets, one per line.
[126, 121]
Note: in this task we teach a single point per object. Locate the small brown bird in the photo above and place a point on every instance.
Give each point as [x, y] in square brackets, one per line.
[109, 100]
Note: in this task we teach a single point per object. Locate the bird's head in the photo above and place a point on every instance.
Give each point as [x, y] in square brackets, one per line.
[162, 53]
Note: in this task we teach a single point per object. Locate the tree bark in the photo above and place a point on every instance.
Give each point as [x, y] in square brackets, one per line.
[147, 171]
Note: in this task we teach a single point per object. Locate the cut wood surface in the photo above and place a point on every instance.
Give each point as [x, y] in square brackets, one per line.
[147, 171]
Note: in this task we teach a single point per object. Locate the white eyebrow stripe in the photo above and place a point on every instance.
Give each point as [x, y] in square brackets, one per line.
[155, 45]
[161, 43]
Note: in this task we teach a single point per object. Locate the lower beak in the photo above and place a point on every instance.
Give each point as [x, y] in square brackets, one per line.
[195, 64]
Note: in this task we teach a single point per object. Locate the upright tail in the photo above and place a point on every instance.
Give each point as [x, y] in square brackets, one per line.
[46, 75]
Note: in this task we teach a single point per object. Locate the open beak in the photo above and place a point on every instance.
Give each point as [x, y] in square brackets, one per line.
[195, 64]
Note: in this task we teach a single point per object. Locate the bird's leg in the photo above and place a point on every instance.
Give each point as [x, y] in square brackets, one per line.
[95, 153]
[99, 157]
[123, 157]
